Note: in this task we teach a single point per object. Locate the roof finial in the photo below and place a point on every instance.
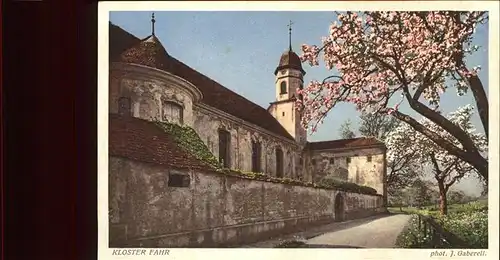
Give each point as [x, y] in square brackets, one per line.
[290, 35]
[153, 24]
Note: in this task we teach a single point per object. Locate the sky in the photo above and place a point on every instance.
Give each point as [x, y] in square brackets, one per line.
[240, 50]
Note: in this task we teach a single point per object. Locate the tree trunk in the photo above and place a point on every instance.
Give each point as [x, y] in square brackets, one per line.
[443, 202]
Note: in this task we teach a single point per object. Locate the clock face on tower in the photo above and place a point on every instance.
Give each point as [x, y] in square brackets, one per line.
[282, 72]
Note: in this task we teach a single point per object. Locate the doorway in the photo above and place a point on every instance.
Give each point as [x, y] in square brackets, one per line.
[339, 207]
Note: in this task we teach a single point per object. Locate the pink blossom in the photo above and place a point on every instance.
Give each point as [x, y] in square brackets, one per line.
[369, 51]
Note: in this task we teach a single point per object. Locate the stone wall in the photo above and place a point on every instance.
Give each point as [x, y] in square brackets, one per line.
[214, 209]
[207, 123]
[359, 169]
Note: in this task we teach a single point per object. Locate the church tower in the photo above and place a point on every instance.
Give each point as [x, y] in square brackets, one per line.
[289, 78]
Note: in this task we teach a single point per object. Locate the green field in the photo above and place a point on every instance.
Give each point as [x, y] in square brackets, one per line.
[467, 221]
[434, 210]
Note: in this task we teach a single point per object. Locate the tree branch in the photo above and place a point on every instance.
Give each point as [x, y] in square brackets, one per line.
[480, 96]
[441, 121]
[474, 159]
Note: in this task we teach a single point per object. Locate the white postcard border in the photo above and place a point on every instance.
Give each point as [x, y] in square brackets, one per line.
[105, 253]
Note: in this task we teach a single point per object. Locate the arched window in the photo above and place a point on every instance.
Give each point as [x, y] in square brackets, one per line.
[172, 112]
[283, 87]
[224, 147]
[279, 162]
[256, 156]
[124, 107]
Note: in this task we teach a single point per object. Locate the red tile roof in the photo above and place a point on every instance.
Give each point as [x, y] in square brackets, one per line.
[144, 141]
[120, 42]
[359, 142]
[149, 52]
[214, 94]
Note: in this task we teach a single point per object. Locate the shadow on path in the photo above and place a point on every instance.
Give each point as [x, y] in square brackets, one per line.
[378, 233]
[315, 231]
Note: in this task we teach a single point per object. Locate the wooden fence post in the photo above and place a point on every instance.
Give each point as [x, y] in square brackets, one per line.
[419, 223]
[425, 228]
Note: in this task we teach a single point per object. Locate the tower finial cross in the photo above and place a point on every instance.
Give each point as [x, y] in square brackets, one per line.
[153, 24]
[290, 35]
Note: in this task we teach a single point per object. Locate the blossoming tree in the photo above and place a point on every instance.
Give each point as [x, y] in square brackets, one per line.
[447, 168]
[382, 59]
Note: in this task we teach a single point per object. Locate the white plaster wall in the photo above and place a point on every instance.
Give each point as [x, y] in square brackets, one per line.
[359, 170]
[292, 77]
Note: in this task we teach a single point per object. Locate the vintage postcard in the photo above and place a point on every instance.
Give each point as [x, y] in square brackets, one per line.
[336, 129]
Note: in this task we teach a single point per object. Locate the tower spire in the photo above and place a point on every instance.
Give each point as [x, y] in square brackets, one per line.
[153, 24]
[290, 35]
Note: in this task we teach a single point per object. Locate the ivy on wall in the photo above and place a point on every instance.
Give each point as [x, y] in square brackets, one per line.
[187, 138]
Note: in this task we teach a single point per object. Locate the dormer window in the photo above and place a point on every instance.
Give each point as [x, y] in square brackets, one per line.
[172, 112]
[283, 88]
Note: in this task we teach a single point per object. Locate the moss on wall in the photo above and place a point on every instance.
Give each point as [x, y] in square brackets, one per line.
[188, 139]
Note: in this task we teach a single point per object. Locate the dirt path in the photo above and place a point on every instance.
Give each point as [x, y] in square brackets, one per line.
[373, 232]
[379, 233]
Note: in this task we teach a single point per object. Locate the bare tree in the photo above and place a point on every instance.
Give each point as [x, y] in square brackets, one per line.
[377, 125]
[346, 131]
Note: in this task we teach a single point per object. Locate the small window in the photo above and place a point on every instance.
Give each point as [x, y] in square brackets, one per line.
[279, 163]
[124, 107]
[172, 112]
[178, 180]
[224, 147]
[369, 158]
[283, 114]
[283, 87]
[332, 160]
[348, 160]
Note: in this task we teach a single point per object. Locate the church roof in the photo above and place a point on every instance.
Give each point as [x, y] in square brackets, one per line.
[120, 42]
[144, 141]
[359, 142]
[289, 60]
[214, 94]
